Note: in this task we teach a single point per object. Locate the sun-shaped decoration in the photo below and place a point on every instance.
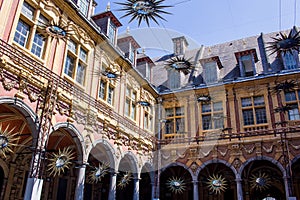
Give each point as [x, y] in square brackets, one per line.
[125, 179]
[260, 181]
[176, 185]
[286, 86]
[285, 43]
[144, 103]
[180, 64]
[8, 139]
[217, 184]
[56, 30]
[98, 172]
[107, 73]
[203, 98]
[144, 10]
[61, 161]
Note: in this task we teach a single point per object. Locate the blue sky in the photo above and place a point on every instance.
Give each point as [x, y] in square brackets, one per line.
[211, 22]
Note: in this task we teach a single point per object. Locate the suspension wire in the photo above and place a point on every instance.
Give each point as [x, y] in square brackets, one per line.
[280, 15]
[295, 12]
[180, 2]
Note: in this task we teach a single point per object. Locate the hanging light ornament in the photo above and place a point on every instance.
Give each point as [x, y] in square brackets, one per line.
[260, 181]
[176, 185]
[125, 179]
[61, 161]
[285, 43]
[55, 30]
[217, 184]
[144, 103]
[180, 64]
[286, 86]
[8, 139]
[98, 172]
[144, 10]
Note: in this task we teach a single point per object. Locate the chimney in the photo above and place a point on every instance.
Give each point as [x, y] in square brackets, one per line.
[180, 45]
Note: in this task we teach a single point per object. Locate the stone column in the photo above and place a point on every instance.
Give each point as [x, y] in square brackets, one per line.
[113, 186]
[239, 189]
[136, 184]
[79, 193]
[10, 180]
[196, 190]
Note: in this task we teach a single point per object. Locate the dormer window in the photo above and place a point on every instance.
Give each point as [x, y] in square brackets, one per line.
[211, 69]
[83, 6]
[246, 61]
[112, 32]
[290, 60]
[174, 79]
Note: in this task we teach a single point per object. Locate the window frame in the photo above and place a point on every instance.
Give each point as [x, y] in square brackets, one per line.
[294, 103]
[172, 121]
[213, 114]
[130, 108]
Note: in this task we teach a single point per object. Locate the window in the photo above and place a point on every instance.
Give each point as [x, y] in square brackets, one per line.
[174, 79]
[130, 106]
[290, 60]
[212, 115]
[210, 73]
[148, 118]
[27, 33]
[246, 61]
[83, 6]
[106, 89]
[76, 62]
[111, 33]
[292, 99]
[254, 111]
[174, 120]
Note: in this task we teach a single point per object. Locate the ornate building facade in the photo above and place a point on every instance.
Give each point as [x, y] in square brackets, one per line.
[84, 116]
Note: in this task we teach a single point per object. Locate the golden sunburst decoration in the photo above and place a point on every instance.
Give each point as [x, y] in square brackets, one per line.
[217, 184]
[8, 139]
[144, 10]
[125, 179]
[61, 161]
[260, 181]
[176, 185]
[180, 64]
[98, 172]
[56, 30]
[108, 74]
[285, 43]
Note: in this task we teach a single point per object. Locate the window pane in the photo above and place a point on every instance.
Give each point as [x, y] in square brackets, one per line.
[218, 106]
[294, 113]
[43, 20]
[218, 121]
[179, 111]
[102, 89]
[132, 111]
[69, 66]
[246, 102]
[111, 33]
[28, 10]
[174, 79]
[21, 34]
[180, 125]
[169, 112]
[206, 108]
[261, 116]
[290, 96]
[146, 121]
[110, 95]
[169, 126]
[83, 6]
[210, 72]
[83, 55]
[127, 107]
[38, 44]
[80, 73]
[259, 101]
[248, 117]
[72, 46]
[206, 122]
[289, 60]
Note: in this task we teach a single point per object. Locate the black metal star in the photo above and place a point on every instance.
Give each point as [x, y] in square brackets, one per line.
[285, 43]
[180, 64]
[56, 30]
[145, 10]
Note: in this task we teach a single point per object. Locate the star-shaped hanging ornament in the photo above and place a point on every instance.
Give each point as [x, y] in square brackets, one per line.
[285, 43]
[144, 10]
